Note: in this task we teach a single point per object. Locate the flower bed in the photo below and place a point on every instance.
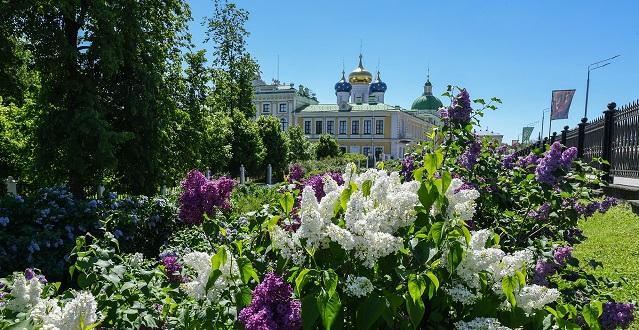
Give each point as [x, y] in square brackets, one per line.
[464, 235]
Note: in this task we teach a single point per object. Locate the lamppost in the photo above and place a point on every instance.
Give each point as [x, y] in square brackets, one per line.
[591, 67]
[543, 118]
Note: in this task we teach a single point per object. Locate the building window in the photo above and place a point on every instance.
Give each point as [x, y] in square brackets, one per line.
[307, 127]
[283, 107]
[284, 123]
[366, 151]
[318, 127]
[379, 151]
[367, 126]
[379, 126]
[266, 108]
[342, 127]
[329, 126]
[355, 127]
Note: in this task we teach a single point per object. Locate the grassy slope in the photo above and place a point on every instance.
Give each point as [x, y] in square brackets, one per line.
[613, 239]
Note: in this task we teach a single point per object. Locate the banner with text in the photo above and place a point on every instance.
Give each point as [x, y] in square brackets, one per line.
[561, 100]
[525, 134]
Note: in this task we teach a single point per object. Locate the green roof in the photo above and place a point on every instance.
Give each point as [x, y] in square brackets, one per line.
[426, 102]
[353, 107]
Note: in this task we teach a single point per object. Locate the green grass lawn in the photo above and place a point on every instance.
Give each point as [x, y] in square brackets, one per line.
[613, 239]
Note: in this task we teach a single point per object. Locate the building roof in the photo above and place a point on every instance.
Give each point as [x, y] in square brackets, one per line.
[332, 107]
[426, 102]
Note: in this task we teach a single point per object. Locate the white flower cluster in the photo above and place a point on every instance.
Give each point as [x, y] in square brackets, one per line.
[497, 264]
[201, 263]
[535, 296]
[461, 203]
[459, 293]
[480, 323]
[81, 310]
[25, 293]
[369, 221]
[358, 286]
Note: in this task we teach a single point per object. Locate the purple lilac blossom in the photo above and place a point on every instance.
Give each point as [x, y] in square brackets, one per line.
[541, 213]
[317, 183]
[502, 149]
[568, 156]
[295, 173]
[509, 161]
[408, 166]
[616, 315]
[549, 164]
[172, 267]
[562, 254]
[531, 159]
[543, 269]
[203, 196]
[607, 203]
[461, 108]
[469, 157]
[272, 306]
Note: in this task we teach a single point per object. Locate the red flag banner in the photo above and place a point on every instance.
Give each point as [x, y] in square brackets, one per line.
[561, 100]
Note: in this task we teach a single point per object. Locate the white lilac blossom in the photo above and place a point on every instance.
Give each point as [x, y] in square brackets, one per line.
[358, 286]
[369, 221]
[25, 293]
[81, 310]
[461, 294]
[480, 323]
[201, 263]
[496, 264]
[461, 202]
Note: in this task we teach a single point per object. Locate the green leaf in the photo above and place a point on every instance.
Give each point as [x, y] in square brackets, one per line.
[243, 296]
[330, 281]
[418, 174]
[430, 164]
[246, 270]
[310, 314]
[300, 281]
[366, 187]
[591, 313]
[508, 285]
[434, 284]
[415, 310]
[427, 195]
[219, 258]
[455, 254]
[329, 307]
[271, 223]
[416, 287]
[369, 311]
[436, 232]
[287, 201]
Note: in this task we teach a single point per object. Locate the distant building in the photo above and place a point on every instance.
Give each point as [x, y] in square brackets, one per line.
[280, 100]
[360, 119]
[427, 105]
[490, 135]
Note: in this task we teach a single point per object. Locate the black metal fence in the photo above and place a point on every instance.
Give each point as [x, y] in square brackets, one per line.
[613, 136]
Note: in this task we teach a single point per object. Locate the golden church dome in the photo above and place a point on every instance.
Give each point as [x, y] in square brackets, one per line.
[360, 75]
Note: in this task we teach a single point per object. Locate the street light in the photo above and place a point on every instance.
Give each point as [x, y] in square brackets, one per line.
[591, 67]
[543, 117]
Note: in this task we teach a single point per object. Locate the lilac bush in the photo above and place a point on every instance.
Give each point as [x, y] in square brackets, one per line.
[562, 254]
[408, 166]
[616, 315]
[295, 173]
[469, 157]
[204, 196]
[272, 306]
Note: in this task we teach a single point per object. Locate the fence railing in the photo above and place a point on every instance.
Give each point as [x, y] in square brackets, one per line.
[613, 136]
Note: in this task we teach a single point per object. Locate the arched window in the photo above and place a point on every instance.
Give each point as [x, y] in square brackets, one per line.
[284, 123]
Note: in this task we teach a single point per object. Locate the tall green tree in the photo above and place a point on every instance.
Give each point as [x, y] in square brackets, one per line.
[327, 146]
[234, 69]
[247, 146]
[300, 148]
[276, 143]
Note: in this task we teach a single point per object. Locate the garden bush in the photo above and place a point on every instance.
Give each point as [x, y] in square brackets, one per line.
[459, 235]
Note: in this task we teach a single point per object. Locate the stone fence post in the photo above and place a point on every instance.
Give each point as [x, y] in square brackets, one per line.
[564, 135]
[242, 174]
[269, 174]
[581, 136]
[606, 145]
[12, 188]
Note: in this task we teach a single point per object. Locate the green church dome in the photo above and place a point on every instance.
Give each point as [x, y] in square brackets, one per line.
[426, 102]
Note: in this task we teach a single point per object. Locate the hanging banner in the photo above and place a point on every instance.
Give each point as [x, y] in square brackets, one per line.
[561, 100]
[526, 132]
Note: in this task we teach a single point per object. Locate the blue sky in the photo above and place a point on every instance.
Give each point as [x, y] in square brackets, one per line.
[518, 51]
